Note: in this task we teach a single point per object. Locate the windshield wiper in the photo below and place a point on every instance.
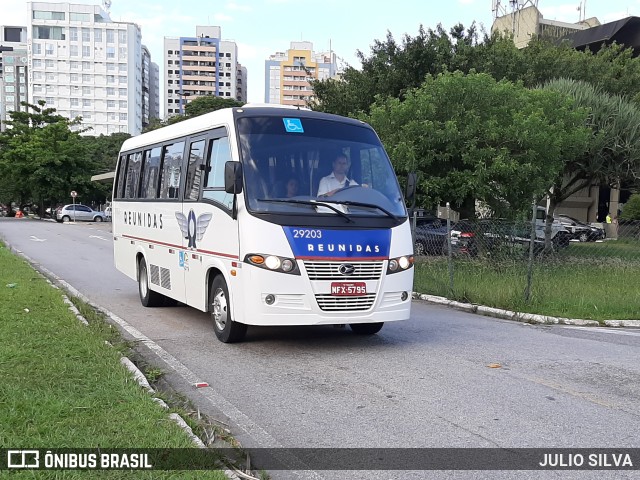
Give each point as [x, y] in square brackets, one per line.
[369, 205]
[309, 202]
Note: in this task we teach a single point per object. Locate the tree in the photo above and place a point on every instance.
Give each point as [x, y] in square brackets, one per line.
[472, 138]
[631, 209]
[197, 107]
[42, 159]
[102, 152]
[394, 68]
[208, 103]
[612, 153]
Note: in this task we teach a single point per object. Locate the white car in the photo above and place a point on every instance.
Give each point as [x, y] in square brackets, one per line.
[77, 213]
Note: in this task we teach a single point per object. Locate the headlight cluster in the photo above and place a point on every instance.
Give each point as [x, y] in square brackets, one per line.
[399, 264]
[273, 263]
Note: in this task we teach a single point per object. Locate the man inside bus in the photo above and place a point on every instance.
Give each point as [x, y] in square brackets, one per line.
[337, 179]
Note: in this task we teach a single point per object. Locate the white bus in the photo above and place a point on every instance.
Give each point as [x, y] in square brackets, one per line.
[204, 213]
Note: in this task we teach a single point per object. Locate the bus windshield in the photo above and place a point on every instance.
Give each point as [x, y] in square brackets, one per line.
[312, 166]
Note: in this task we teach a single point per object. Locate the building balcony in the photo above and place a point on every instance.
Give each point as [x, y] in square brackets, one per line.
[197, 68]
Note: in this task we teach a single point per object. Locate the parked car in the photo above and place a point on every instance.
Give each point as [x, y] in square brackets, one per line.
[431, 237]
[579, 230]
[78, 213]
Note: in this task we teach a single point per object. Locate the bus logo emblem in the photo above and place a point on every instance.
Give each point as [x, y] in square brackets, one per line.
[346, 269]
[193, 229]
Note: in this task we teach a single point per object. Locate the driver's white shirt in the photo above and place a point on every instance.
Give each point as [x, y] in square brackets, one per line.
[330, 182]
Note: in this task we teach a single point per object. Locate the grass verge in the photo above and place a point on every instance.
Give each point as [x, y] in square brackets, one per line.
[605, 289]
[63, 387]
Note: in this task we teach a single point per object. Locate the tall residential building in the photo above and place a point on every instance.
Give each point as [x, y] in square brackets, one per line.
[13, 71]
[198, 66]
[84, 64]
[287, 75]
[154, 91]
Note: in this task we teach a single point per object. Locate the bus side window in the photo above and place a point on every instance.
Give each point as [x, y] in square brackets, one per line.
[133, 175]
[150, 171]
[194, 173]
[122, 173]
[219, 154]
[171, 166]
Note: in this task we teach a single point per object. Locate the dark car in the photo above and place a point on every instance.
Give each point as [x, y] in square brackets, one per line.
[431, 237]
[579, 230]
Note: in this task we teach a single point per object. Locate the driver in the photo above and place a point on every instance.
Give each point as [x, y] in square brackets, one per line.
[337, 179]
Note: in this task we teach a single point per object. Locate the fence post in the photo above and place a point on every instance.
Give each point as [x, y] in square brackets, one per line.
[449, 256]
[532, 243]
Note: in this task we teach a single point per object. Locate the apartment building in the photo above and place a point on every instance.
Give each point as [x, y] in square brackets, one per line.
[13, 71]
[287, 74]
[201, 65]
[84, 64]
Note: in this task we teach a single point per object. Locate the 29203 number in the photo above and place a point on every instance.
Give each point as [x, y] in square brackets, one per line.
[307, 233]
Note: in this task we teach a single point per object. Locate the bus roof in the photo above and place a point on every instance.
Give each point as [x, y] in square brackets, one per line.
[221, 117]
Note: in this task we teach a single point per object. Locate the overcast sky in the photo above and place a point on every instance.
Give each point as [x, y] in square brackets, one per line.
[263, 27]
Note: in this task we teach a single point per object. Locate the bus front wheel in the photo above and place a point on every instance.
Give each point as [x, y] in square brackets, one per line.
[148, 297]
[226, 329]
[366, 328]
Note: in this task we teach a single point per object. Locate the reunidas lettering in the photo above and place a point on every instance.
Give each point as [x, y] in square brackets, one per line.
[142, 219]
[342, 247]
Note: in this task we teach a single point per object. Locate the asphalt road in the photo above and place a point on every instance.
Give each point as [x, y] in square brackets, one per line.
[426, 382]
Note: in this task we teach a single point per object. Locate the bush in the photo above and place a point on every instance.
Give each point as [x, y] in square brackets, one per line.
[631, 210]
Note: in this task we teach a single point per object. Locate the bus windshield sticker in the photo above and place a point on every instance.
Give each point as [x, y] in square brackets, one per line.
[293, 125]
[324, 243]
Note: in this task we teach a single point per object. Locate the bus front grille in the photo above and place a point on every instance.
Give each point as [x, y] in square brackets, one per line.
[331, 270]
[331, 303]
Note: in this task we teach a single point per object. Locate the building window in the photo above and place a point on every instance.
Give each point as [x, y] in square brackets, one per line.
[110, 36]
[79, 17]
[122, 67]
[111, 92]
[37, 63]
[122, 36]
[123, 103]
[44, 15]
[97, 35]
[73, 50]
[122, 53]
[111, 104]
[86, 35]
[123, 117]
[86, 66]
[122, 79]
[122, 92]
[111, 67]
[86, 50]
[86, 78]
[49, 48]
[86, 90]
[86, 102]
[74, 77]
[111, 52]
[37, 48]
[75, 65]
[75, 102]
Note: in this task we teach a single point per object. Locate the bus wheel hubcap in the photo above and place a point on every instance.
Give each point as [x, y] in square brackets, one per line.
[220, 309]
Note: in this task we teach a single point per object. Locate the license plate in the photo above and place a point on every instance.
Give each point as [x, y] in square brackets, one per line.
[347, 289]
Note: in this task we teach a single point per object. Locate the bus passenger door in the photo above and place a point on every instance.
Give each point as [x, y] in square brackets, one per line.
[212, 239]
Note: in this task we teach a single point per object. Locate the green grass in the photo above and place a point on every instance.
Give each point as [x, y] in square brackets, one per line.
[63, 387]
[571, 287]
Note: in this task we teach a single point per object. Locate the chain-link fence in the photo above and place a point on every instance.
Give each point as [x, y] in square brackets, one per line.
[575, 270]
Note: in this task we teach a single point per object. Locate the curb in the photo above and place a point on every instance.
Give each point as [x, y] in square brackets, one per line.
[530, 318]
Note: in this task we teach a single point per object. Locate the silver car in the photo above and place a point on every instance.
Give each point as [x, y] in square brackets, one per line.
[78, 212]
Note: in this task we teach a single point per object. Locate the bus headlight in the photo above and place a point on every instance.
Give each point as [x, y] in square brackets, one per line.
[273, 263]
[399, 264]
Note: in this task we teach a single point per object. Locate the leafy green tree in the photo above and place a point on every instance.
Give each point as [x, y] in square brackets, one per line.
[209, 103]
[42, 158]
[612, 153]
[199, 106]
[392, 68]
[631, 209]
[472, 138]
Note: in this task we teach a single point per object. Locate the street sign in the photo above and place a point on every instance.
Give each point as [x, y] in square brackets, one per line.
[74, 194]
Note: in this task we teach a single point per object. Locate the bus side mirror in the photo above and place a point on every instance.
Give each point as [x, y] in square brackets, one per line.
[410, 191]
[233, 177]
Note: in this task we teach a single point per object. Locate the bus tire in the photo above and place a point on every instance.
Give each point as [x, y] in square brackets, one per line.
[366, 328]
[148, 297]
[227, 330]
